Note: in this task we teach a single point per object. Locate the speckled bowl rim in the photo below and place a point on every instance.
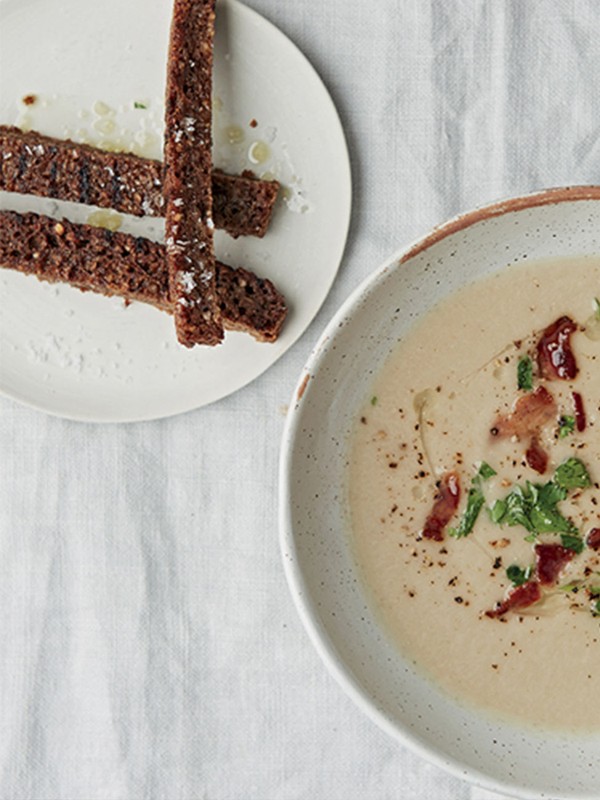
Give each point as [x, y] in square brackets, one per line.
[291, 432]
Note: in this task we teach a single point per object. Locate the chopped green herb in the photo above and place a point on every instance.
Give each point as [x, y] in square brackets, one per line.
[572, 541]
[475, 501]
[518, 576]
[486, 471]
[545, 516]
[374, 400]
[525, 374]
[572, 474]
[534, 507]
[497, 511]
[596, 608]
[552, 492]
[137, 104]
[596, 308]
[566, 425]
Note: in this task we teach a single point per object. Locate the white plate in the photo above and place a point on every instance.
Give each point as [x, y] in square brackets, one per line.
[87, 357]
[323, 576]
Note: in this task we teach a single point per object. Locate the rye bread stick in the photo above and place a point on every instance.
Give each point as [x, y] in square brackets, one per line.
[187, 170]
[31, 163]
[117, 264]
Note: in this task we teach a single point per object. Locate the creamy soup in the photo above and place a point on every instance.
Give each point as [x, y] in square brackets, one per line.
[474, 494]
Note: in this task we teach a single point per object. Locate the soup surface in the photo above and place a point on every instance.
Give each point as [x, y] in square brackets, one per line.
[474, 494]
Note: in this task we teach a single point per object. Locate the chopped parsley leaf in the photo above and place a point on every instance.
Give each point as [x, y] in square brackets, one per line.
[572, 474]
[572, 541]
[534, 506]
[525, 374]
[497, 511]
[566, 425]
[137, 104]
[374, 400]
[597, 308]
[518, 576]
[485, 471]
[475, 501]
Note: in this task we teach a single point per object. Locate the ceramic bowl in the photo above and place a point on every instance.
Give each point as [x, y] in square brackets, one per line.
[313, 512]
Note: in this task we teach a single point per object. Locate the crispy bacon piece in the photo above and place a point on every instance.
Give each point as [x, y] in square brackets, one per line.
[554, 354]
[550, 559]
[579, 412]
[536, 456]
[593, 539]
[518, 597]
[531, 412]
[445, 504]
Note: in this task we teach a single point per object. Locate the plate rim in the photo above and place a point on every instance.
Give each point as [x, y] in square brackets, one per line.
[255, 19]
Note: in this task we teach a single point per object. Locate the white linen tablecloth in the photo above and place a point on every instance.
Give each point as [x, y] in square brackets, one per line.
[149, 647]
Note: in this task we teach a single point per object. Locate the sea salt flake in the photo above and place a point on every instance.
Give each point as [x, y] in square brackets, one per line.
[187, 281]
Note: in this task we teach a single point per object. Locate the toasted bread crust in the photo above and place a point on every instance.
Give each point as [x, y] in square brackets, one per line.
[31, 163]
[187, 174]
[117, 264]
